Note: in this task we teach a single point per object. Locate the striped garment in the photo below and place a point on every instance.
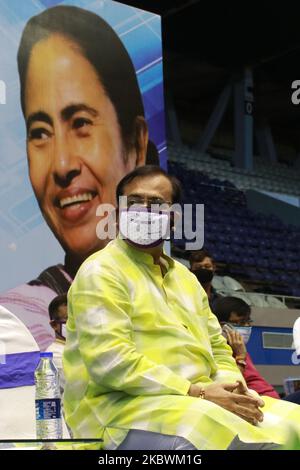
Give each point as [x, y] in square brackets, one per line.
[30, 305]
[30, 302]
[135, 343]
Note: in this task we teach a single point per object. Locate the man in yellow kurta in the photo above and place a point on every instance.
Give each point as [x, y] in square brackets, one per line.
[144, 353]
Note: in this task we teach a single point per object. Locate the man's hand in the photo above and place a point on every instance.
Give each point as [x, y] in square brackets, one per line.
[235, 398]
[243, 390]
[235, 340]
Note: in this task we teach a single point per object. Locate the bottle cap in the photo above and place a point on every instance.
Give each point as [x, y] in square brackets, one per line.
[46, 354]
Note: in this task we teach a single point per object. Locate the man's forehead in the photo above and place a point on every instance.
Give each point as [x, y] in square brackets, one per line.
[157, 186]
[245, 316]
[206, 260]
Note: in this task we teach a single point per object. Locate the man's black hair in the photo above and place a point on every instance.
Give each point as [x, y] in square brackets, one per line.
[224, 306]
[55, 304]
[198, 256]
[145, 172]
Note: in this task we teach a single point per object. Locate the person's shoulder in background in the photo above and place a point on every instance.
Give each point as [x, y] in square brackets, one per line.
[30, 304]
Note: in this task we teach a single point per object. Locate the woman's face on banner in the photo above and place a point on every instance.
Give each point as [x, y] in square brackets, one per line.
[74, 145]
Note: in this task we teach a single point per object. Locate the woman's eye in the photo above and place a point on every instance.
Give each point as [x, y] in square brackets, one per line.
[38, 134]
[78, 123]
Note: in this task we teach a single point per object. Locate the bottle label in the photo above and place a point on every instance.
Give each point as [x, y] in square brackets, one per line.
[47, 408]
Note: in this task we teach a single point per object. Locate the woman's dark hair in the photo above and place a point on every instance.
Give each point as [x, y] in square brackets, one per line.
[146, 171]
[224, 306]
[101, 46]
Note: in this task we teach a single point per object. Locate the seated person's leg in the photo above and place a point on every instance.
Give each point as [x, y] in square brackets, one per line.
[145, 440]
[237, 444]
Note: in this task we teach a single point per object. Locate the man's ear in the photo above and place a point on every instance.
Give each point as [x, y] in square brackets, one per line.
[141, 140]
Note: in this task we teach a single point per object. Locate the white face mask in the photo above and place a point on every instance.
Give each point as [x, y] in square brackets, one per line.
[144, 228]
[245, 332]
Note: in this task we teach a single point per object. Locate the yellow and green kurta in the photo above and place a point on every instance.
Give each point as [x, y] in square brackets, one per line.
[135, 343]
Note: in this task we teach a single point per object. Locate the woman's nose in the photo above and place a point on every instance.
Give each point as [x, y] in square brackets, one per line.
[66, 164]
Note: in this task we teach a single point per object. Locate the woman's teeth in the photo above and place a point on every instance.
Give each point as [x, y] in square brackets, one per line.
[67, 201]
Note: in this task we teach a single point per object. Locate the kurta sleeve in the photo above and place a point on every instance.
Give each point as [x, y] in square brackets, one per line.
[100, 304]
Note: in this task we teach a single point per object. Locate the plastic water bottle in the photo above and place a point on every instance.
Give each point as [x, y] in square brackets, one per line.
[47, 399]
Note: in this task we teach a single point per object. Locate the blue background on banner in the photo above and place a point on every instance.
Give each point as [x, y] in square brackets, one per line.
[23, 232]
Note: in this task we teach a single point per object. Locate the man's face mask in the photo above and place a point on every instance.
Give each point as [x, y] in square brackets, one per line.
[244, 331]
[143, 227]
[204, 275]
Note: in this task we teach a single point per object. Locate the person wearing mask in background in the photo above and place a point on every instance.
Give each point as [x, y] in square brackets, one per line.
[204, 268]
[58, 313]
[234, 315]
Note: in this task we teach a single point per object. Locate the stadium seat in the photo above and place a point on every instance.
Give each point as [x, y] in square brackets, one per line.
[232, 285]
[257, 300]
[275, 302]
[218, 283]
[257, 246]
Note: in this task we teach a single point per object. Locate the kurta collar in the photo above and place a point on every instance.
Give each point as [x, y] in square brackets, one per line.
[142, 256]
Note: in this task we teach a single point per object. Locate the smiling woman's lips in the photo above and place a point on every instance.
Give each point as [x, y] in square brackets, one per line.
[74, 203]
[76, 212]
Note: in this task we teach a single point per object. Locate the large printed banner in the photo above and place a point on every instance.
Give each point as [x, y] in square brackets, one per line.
[81, 105]
[91, 90]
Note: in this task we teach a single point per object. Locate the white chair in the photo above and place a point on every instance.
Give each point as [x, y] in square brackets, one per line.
[19, 355]
[274, 302]
[218, 283]
[242, 295]
[232, 285]
[239, 295]
[257, 300]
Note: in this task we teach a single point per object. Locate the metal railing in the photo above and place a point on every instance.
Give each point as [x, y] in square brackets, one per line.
[265, 297]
